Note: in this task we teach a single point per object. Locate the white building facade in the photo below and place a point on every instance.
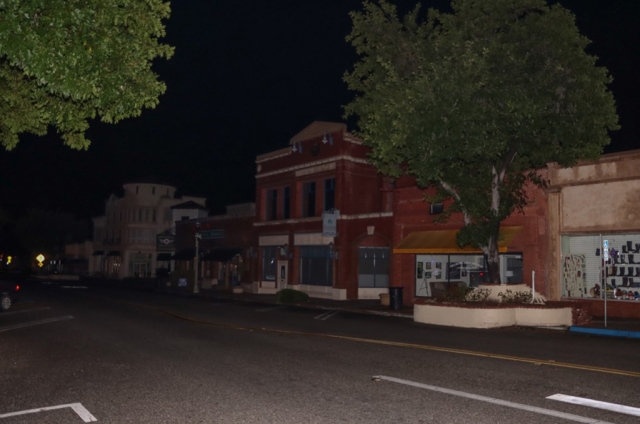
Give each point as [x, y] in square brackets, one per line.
[126, 236]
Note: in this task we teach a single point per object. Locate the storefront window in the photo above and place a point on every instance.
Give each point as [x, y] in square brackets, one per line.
[587, 261]
[436, 274]
[316, 266]
[269, 263]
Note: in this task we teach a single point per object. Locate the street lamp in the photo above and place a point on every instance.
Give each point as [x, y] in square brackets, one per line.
[198, 236]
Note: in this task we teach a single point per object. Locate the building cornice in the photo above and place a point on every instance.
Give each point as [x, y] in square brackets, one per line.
[372, 215]
[314, 164]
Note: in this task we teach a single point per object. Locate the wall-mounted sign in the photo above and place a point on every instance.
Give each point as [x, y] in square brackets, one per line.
[330, 223]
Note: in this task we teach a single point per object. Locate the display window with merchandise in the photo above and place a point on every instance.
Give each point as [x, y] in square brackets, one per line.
[595, 266]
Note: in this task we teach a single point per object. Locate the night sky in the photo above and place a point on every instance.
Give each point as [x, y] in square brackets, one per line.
[245, 78]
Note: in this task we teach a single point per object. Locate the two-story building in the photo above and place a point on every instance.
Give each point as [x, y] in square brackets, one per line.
[324, 217]
[222, 257]
[126, 236]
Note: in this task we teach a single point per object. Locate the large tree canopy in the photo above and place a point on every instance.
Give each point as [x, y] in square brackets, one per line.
[473, 102]
[63, 62]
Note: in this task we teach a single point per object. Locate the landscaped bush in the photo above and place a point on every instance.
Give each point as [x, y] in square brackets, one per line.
[478, 295]
[457, 294]
[291, 296]
[515, 297]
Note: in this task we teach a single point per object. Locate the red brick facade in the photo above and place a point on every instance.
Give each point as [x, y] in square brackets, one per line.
[321, 153]
[412, 213]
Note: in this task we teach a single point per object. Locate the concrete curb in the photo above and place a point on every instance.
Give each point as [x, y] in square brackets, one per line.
[606, 332]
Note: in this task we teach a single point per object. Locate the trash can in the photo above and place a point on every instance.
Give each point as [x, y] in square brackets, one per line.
[395, 297]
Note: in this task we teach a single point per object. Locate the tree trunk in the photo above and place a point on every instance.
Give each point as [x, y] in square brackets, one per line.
[493, 260]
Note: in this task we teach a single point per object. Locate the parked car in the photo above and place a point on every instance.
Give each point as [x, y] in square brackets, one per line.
[9, 293]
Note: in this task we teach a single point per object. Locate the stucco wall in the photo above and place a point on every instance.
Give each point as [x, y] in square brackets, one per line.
[610, 206]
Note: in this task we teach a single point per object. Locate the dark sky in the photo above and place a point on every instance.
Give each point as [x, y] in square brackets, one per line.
[245, 78]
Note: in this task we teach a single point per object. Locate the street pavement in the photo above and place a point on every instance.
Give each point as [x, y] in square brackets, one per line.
[123, 356]
[619, 328]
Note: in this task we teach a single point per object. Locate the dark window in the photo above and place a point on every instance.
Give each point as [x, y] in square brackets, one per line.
[316, 266]
[153, 190]
[286, 203]
[309, 199]
[437, 208]
[272, 205]
[269, 263]
[329, 194]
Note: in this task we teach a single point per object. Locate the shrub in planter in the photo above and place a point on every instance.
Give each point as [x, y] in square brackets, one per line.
[291, 296]
[515, 297]
[478, 295]
[456, 294]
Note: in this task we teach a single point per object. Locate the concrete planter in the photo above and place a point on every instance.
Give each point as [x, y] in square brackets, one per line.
[491, 317]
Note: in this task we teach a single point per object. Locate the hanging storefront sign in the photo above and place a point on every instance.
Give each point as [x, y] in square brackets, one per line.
[330, 223]
[165, 241]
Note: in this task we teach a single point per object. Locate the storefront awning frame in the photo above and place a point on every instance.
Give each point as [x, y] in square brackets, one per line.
[444, 242]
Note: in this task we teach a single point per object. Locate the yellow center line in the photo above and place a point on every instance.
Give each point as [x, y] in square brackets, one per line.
[549, 362]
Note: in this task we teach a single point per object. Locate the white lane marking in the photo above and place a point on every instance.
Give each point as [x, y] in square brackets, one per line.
[629, 410]
[326, 315]
[25, 310]
[29, 324]
[270, 308]
[82, 412]
[521, 406]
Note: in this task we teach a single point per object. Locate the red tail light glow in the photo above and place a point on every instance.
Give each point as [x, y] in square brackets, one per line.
[17, 287]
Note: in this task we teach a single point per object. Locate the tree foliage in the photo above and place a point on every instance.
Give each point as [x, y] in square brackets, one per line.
[64, 62]
[473, 102]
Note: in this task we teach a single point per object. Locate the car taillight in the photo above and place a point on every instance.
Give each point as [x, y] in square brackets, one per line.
[17, 287]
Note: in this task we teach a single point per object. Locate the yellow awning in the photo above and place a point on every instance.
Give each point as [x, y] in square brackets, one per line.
[444, 241]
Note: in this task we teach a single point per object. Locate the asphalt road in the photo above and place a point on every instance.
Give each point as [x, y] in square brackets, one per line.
[115, 356]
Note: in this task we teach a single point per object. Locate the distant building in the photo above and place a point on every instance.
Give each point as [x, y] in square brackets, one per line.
[224, 249]
[135, 236]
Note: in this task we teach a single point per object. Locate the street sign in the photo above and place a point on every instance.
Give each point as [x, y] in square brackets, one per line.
[211, 234]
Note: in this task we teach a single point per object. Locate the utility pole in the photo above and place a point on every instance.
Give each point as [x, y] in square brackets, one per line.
[198, 236]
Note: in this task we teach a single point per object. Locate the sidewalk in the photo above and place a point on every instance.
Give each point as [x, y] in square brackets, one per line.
[620, 328]
[615, 327]
[365, 306]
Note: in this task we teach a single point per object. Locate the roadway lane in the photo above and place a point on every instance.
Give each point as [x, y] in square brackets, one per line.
[210, 362]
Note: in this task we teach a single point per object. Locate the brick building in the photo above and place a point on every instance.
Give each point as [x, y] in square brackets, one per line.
[224, 253]
[324, 217]
[427, 261]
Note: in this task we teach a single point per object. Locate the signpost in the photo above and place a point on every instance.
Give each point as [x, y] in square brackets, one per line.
[605, 256]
